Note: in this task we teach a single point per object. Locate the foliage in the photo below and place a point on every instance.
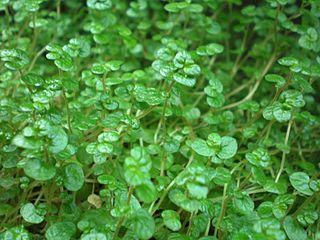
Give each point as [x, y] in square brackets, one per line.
[149, 119]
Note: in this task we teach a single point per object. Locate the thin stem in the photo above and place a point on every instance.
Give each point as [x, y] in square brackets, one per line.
[162, 120]
[208, 228]
[35, 32]
[8, 20]
[305, 203]
[121, 220]
[164, 194]
[222, 211]
[166, 191]
[255, 87]
[58, 8]
[68, 110]
[190, 224]
[36, 57]
[236, 64]
[284, 154]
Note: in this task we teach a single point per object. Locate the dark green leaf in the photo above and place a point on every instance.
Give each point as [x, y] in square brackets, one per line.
[73, 177]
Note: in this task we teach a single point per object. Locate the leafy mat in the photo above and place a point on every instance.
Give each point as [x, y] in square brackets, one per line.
[167, 120]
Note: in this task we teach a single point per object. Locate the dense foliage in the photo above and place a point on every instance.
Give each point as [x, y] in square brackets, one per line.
[149, 119]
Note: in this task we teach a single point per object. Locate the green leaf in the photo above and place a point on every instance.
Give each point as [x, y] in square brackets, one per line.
[61, 231]
[171, 145]
[99, 4]
[171, 220]
[259, 157]
[5, 209]
[26, 142]
[184, 79]
[197, 191]
[275, 78]
[222, 176]
[94, 236]
[18, 232]
[288, 61]
[73, 177]
[216, 101]
[105, 148]
[98, 68]
[275, 187]
[175, 6]
[14, 59]
[308, 216]
[146, 192]
[228, 147]
[114, 65]
[30, 214]
[149, 95]
[300, 181]
[201, 147]
[243, 203]
[33, 79]
[77, 47]
[280, 113]
[292, 98]
[209, 50]
[137, 167]
[279, 210]
[142, 224]
[293, 229]
[135, 176]
[181, 200]
[58, 140]
[192, 69]
[64, 63]
[268, 113]
[195, 8]
[39, 170]
[61, 59]
[191, 113]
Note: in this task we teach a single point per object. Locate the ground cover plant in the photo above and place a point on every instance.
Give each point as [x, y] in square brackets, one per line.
[149, 119]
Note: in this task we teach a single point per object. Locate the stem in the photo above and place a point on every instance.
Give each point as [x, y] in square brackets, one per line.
[58, 8]
[164, 194]
[255, 87]
[8, 21]
[166, 191]
[190, 224]
[208, 228]
[36, 57]
[284, 154]
[68, 110]
[162, 120]
[236, 64]
[121, 220]
[35, 32]
[276, 26]
[238, 89]
[223, 208]
[306, 202]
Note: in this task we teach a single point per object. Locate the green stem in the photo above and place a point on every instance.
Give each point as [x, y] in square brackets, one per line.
[58, 8]
[166, 191]
[305, 203]
[68, 110]
[162, 120]
[222, 211]
[208, 228]
[284, 154]
[255, 87]
[121, 220]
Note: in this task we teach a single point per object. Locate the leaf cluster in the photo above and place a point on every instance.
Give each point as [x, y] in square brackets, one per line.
[149, 119]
